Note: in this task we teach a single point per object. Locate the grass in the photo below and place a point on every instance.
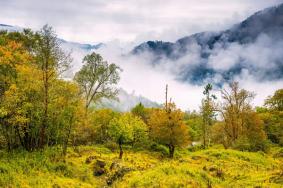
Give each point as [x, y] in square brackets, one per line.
[214, 167]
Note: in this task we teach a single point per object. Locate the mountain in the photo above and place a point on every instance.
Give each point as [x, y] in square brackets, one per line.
[126, 102]
[261, 35]
[9, 28]
[87, 47]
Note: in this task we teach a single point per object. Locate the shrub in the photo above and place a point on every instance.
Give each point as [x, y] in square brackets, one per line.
[63, 169]
[159, 148]
[245, 144]
[279, 153]
[195, 148]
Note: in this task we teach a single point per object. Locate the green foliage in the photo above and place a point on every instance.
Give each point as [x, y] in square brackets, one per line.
[37, 107]
[128, 129]
[96, 78]
[100, 119]
[208, 114]
[140, 111]
[272, 117]
[159, 148]
[194, 122]
[275, 102]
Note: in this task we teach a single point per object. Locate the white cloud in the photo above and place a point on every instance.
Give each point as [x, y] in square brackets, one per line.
[142, 78]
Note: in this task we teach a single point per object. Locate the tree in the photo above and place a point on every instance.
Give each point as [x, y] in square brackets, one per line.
[24, 98]
[254, 132]
[64, 105]
[12, 54]
[240, 122]
[194, 122]
[275, 102]
[127, 129]
[52, 61]
[235, 105]
[37, 106]
[168, 128]
[208, 112]
[96, 79]
[272, 116]
[100, 119]
[140, 111]
[14, 62]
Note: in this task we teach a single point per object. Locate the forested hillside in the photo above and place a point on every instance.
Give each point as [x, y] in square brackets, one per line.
[51, 134]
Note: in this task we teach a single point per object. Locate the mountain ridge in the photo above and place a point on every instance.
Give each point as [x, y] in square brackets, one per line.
[266, 23]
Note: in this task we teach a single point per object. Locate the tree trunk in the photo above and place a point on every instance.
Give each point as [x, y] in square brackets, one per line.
[19, 136]
[171, 150]
[86, 110]
[46, 101]
[121, 151]
[204, 134]
[65, 144]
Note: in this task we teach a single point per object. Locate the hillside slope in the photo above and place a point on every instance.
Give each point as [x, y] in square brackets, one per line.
[212, 167]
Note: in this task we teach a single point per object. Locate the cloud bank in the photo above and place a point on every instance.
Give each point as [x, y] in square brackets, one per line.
[140, 77]
[102, 21]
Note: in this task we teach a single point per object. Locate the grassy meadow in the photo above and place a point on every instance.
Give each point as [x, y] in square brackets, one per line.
[213, 167]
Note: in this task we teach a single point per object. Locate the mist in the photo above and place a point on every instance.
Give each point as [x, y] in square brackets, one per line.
[140, 77]
[256, 65]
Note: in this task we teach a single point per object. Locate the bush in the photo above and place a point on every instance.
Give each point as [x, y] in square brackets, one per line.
[195, 148]
[261, 146]
[159, 148]
[111, 146]
[279, 153]
[63, 169]
[244, 144]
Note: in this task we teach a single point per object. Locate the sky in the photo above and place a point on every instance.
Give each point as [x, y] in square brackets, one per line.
[93, 21]
[127, 23]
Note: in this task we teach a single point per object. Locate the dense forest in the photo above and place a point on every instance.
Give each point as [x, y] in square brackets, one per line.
[52, 134]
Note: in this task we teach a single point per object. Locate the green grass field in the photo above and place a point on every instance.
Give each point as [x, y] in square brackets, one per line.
[214, 167]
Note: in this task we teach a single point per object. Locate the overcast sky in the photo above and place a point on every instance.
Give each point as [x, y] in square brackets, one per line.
[92, 21]
[130, 22]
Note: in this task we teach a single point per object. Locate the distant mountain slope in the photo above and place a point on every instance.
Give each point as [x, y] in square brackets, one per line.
[126, 102]
[260, 35]
[9, 28]
[82, 46]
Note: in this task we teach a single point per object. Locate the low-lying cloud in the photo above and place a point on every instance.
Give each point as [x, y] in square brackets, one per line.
[149, 81]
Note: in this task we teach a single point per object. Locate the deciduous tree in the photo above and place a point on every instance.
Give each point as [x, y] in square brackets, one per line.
[127, 129]
[167, 127]
[240, 121]
[208, 113]
[97, 78]
[52, 61]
